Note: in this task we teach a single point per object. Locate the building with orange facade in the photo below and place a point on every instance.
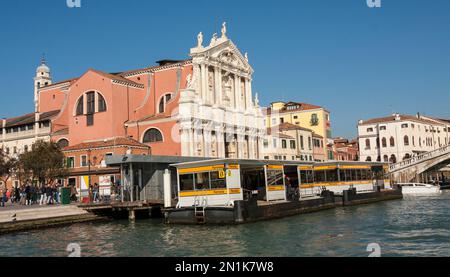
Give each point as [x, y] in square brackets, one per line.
[199, 107]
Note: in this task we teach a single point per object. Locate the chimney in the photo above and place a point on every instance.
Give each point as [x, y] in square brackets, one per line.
[418, 115]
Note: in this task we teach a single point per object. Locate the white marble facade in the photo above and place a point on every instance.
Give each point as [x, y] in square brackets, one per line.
[218, 115]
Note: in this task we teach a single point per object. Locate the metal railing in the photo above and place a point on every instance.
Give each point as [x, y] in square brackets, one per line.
[420, 158]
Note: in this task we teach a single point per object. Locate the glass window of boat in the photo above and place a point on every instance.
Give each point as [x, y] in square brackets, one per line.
[216, 181]
[319, 176]
[202, 181]
[275, 178]
[186, 182]
[331, 175]
[306, 177]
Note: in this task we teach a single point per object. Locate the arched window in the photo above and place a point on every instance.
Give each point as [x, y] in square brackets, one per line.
[379, 159]
[392, 142]
[152, 135]
[393, 159]
[80, 106]
[367, 143]
[163, 102]
[385, 158]
[406, 140]
[420, 142]
[369, 159]
[384, 142]
[62, 143]
[407, 156]
[101, 103]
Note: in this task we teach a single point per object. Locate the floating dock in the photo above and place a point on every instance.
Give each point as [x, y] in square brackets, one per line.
[230, 191]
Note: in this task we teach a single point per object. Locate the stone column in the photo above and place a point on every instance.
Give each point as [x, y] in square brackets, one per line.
[204, 83]
[240, 146]
[207, 143]
[185, 143]
[237, 92]
[218, 85]
[197, 74]
[192, 141]
[248, 94]
[220, 143]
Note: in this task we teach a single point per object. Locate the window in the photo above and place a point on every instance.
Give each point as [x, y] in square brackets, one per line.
[162, 104]
[83, 161]
[62, 143]
[384, 142]
[152, 135]
[101, 103]
[281, 120]
[80, 106]
[385, 158]
[202, 181]
[369, 159]
[369, 130]
[89, 119]
[309, 143]
[314, 120]
[90, 102]
[295, 117]
[404, 126]
[293, 144]
[216, 181]
[25, 148]
[186, 182]
[274, 121]
[71, 162]
[367, 143]
[266, 143]
[274, 143]
[406, 140]
[302, 143]
[275, 178]
[392, 141]
[382, 128]
[284, 144]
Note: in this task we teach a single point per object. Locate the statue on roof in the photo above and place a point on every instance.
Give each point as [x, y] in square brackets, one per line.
[200, 40]
[213, 40]
[224, 30]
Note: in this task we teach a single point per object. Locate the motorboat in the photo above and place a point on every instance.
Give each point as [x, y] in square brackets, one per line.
[417, 188]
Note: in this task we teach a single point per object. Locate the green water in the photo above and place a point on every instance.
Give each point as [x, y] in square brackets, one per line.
[415, 226]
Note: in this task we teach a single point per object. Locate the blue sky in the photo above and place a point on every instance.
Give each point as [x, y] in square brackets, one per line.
[355, 61]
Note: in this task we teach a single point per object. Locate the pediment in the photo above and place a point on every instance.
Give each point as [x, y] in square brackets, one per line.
[226, 53]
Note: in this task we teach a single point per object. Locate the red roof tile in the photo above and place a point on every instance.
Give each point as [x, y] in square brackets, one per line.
[120, 141]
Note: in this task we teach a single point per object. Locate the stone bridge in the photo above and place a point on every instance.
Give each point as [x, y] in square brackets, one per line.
[412, 169]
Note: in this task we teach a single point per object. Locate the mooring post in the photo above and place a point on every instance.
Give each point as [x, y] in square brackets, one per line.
[167, 190]
[132, 215]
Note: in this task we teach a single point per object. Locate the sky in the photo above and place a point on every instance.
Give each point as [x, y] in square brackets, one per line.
[357, 62]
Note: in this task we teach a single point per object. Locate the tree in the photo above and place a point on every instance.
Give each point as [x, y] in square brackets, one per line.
[7, 166]
[45, 163]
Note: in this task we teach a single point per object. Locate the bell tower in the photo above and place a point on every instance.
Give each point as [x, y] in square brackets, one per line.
[42, 79]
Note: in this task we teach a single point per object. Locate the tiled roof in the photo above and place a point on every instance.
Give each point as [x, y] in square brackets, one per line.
[288, 127]
[59, 83]
[29, 118]
[151, 68]
[120, 141]
[279, 135]
[402, 117]
[117, 78]
[301, 107]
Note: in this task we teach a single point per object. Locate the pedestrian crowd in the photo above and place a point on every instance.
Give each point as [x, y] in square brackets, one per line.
[31, 194]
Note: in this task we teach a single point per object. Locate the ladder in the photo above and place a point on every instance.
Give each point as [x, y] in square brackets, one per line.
[200, 211]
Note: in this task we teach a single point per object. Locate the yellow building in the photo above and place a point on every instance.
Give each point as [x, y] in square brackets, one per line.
[304, 115]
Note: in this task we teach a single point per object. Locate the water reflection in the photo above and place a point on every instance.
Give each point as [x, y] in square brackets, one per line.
[416, 226]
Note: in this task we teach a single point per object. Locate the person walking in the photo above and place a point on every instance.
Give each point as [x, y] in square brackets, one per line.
[2, 196]
[16, 194]
[43, 199]
[27, 194]
[95, 192]
[49, 193]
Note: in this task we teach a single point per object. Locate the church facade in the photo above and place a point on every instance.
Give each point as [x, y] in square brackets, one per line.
[199, 107]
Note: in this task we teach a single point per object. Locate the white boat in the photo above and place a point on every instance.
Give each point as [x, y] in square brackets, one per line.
[417, 188]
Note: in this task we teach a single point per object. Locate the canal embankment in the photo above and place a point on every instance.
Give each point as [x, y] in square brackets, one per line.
[16, 220]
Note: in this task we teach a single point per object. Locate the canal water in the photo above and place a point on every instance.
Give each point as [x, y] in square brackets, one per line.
[415, 226]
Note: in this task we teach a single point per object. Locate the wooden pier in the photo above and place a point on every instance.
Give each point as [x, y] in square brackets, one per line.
[153, 207]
